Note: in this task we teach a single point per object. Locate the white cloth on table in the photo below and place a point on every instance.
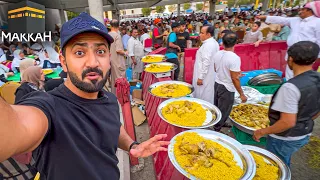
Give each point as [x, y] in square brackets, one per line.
[204, 69]
[136, 49]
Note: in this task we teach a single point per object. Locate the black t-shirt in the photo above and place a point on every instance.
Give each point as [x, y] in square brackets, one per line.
[23, 90]
[82, 138]
[182, 40]
[53, 83]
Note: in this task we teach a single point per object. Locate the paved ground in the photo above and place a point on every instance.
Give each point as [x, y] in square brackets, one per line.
[300, 168]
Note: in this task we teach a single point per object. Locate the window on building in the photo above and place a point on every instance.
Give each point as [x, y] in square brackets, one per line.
[132, 11]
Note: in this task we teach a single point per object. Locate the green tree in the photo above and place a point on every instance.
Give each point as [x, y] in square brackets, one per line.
[296, 3]
[199, 6]
[186, 6]
[71, 14]
[172, 8]
[146, 11]
[160, 9]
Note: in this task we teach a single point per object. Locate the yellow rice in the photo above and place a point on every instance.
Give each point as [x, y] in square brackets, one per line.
[160, 68]
[180, 91]
[265, 171]
[219, 170]
[151, 59]
[196, 118]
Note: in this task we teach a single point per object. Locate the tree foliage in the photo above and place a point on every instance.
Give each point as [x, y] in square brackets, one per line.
[186, 6]
[146, 11]
[199, 6]
[71, 14]
[232, 3]
[160, 9]
[296, 3]
[172, 8]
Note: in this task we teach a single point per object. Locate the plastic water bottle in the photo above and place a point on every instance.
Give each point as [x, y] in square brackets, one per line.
[14, 70]
[59, 68]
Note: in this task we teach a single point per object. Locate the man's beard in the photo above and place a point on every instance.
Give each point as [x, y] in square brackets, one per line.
[94, 86]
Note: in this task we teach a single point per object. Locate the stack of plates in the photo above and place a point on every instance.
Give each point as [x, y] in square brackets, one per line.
[265, 80]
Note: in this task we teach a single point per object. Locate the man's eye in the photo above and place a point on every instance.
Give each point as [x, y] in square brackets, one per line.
[79, 53]
[101, 51]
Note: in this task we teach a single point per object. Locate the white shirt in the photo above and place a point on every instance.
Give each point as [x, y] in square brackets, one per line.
[307, 29]
[226, 61]
[143, 38]
[135, 47]
[287, 101]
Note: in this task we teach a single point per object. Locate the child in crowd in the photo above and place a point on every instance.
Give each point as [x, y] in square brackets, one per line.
[254, 36]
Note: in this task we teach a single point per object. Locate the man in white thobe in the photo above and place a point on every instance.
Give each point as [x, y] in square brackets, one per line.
[306, 27]
[136, 52]
[203, 72]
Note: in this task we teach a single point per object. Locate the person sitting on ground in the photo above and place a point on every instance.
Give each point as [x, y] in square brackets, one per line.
[52, 58]
[25, 64]
[53, 83]
[26, 49]
[32, 80]
[18, 57]
[9, 53]
[254, 36]
[4, 73]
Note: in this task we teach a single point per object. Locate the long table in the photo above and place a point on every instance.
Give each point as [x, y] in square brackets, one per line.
[164, 169]
[16, 77]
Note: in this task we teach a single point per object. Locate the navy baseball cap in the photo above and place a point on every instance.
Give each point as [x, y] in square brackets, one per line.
[80, 24]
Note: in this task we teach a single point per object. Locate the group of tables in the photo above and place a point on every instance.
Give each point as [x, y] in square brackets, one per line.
[53, 75]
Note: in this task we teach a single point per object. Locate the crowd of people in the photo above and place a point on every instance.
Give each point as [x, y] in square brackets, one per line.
[74, 127]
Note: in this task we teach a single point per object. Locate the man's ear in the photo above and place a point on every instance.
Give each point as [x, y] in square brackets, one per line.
[63, 63]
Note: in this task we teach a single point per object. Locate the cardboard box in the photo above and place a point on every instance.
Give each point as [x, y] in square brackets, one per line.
[137, 94]
[138, 101]
[134, 82]
[138, 116]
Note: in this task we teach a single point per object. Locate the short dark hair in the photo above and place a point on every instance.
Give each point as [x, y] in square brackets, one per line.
[226, 31]
[258, 23]
[229, 39]
[114, 23]
[145, 30]
[304, 52]
[210, 29]
[24, 45]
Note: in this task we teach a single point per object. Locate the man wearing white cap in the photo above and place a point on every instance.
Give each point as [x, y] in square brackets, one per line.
[306, 27]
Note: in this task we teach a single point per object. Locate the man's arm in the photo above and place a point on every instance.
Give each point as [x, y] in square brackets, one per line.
[276, 20]
[171, 40]
[235, 77]
[285, 122]
[131, 51]
[22, 129]
[124, 140]
[144, 149]
[119, 46]
[156, 33]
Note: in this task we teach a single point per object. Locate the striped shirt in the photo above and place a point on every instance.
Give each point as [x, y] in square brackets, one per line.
[11, 169]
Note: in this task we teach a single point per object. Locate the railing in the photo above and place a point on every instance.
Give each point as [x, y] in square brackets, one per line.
[265, 56]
